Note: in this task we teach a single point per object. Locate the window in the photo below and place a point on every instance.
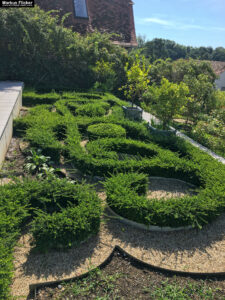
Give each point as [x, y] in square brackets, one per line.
[80, 8]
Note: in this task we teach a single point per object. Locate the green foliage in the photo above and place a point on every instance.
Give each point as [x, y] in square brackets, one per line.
[37, 49]
[13, 211]
[137, 79]
[139, 152]
[175, 71]
[202, 96]
[198, 77]
[61, 213]
[175, 291]
[67, 215]
[102, 130]
[93, 109]
[162, 49]
[36, 163]
[210, 133]
[105, 75]
[169, 99]
[124, 197]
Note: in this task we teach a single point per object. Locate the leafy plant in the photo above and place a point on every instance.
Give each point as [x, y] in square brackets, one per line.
[32, 35]
[39, 164]
[168, 99]
[137, 79]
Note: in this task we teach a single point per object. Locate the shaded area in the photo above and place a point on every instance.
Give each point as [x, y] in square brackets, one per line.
[126, 278]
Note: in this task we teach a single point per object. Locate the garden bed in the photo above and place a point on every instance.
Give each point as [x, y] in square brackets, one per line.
[125, 278]
[190, 251]
[60, 129]
[116, 145]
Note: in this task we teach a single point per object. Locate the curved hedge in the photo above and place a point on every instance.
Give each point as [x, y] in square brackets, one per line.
[139, 152]
[103, 130]
[93, 109]
[126, 195]
[62, 214]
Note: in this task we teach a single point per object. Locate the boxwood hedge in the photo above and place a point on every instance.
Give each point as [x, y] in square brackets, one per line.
[103, 130]
[93, 109]
[64, 214]
[139, 152]
[60, 214]
[124, 198]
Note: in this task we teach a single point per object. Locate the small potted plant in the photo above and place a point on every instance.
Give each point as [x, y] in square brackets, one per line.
[137, 84]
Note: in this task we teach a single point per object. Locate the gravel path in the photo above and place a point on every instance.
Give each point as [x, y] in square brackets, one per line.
[193, 250]
[149, 117]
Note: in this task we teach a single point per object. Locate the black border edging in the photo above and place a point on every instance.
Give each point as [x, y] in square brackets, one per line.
[34, 287]
[213, 276]
[194, 275]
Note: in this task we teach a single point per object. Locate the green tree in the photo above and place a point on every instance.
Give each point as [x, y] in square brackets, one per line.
[137, 79]
[202, 96]
[168, 99]
[36, 48]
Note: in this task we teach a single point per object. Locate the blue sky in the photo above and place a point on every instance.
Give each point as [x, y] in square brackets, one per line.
[188, 22]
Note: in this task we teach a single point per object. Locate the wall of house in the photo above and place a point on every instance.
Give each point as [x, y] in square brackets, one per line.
[111, 16]
[220, 83]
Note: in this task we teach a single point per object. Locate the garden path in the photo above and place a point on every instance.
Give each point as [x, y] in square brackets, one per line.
[149, 117]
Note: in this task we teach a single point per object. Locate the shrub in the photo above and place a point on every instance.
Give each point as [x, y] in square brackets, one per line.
[93, 110]
[105, 130]
[124, 198]
[169, 99]
[14, 211]
[49, 203]
[67, 214]
[142, 153]
[36, 48]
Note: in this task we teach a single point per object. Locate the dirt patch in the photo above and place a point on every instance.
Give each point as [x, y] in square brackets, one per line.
[168, 188]
[84, 143]
[23, 111]
[109, 113]
[125, 279]
[14, 160]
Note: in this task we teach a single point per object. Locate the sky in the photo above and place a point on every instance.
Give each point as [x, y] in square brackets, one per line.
[187, 22]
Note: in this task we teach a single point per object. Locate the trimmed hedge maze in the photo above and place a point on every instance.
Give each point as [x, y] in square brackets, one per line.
[117, 146]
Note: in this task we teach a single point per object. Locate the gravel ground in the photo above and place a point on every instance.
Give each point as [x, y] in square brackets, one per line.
[192, 250]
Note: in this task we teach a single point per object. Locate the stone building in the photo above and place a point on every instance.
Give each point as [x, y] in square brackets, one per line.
[111, 16]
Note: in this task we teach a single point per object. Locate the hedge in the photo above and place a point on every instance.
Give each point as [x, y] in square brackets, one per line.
[60, 214]
[103, 130]
[13, 211]
[124, 198]
[139, 152]
[65, 215]
[93, 109]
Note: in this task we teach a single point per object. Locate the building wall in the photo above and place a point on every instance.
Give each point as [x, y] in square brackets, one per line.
[220, 83]
[111, 16]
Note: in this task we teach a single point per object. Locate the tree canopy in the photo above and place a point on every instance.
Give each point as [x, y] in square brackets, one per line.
[162, 49]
